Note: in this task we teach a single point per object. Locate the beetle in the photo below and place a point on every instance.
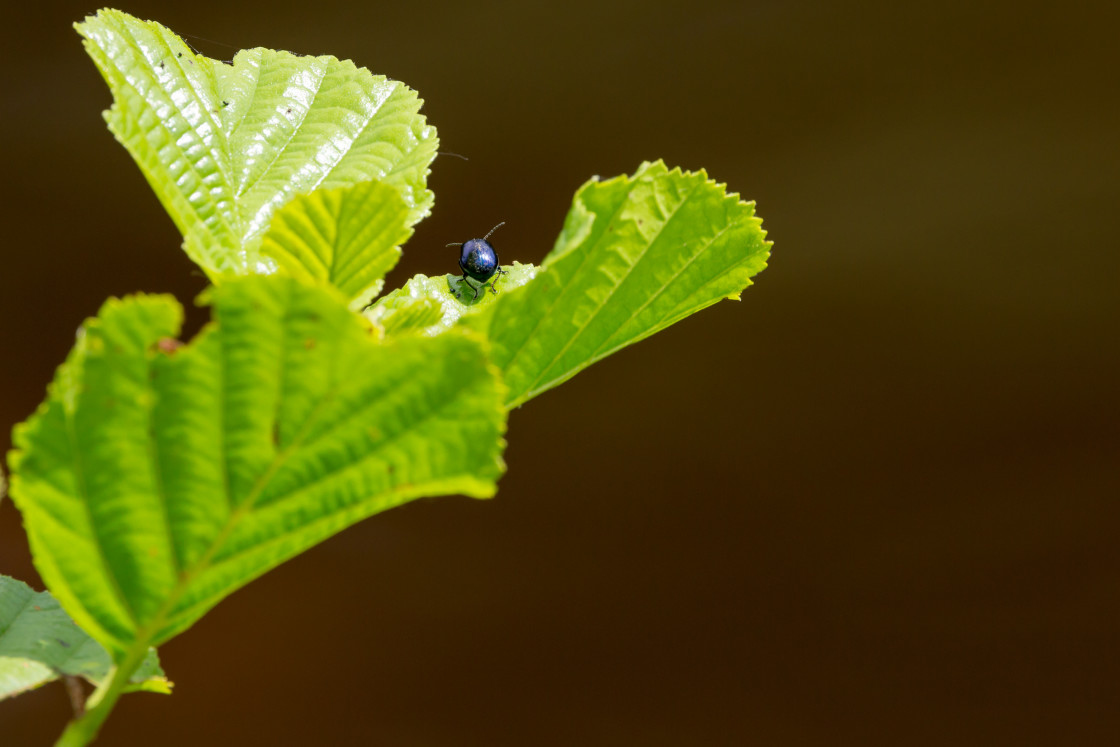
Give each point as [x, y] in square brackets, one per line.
[479, 262]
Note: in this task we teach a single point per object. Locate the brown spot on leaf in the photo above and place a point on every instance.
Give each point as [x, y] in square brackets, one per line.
[168, 345]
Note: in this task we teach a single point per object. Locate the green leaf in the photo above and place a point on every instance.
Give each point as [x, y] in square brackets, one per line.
[158, 478]
[224, 146]
[40, 643]
[348, 237]
[636, 255]
[430, 306]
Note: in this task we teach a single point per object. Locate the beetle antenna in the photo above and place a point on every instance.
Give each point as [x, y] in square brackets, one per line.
[492, 230]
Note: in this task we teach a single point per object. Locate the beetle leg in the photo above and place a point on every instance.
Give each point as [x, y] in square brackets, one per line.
[459, 293]
[493, 287]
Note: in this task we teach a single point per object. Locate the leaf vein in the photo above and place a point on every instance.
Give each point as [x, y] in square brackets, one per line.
[83, 490]
[568, 287]
[321, 75]
[629, 274]
[676, 275]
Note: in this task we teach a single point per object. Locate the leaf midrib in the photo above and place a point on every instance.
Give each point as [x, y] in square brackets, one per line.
[669, 282]
[568, 287]
[187, 576]
[197, 572]
[614, 288]
[126, 31]
[321, 75]
[530, 390]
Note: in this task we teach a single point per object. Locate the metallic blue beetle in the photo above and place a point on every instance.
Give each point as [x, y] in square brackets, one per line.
[479, 262]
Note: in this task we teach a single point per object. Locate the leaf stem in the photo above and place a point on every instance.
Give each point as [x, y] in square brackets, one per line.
[83, 729]
[77, 696]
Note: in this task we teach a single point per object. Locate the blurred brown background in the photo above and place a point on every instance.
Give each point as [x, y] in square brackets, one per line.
[875, 503]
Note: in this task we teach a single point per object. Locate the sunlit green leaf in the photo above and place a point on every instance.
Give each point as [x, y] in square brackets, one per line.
[349, 237]
[158, 478]
[434, 305]
[225, 145]
[40, 643]
[636, 254]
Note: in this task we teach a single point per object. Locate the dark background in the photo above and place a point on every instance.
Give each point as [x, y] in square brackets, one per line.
[875, 503]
